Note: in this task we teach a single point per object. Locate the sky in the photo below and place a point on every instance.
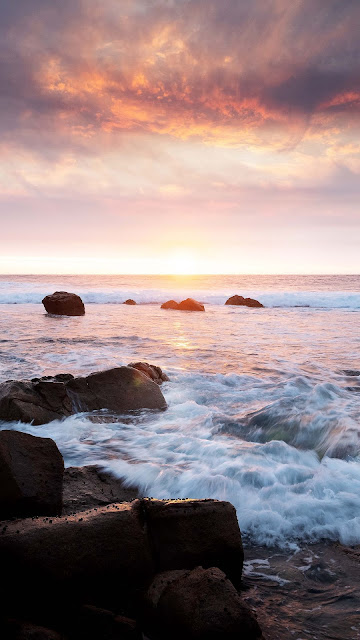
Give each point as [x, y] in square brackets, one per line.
[162, 136]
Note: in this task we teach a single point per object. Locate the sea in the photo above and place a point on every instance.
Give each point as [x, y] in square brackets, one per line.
[263, 404]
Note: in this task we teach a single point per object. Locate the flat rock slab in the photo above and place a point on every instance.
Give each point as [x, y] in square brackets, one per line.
[188, 533]
[31, 475]
[42, 400]
[88, 487]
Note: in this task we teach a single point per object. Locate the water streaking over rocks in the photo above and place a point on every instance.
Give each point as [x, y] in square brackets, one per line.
[264, 405]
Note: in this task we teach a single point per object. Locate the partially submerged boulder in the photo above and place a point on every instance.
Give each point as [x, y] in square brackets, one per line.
[201, 604]
[42, 400]
[191, 305]
[243, 302]
[151, 371]
[62, 303]
[129, 301]
[88, 487]
[31, 475]
[186, 533]
[170, 304]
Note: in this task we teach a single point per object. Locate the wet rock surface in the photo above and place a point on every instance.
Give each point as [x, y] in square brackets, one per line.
[243, 302]
[42, 400]
[186, 305]
[62, 303]
[170, 304]
[31, 475]
[151, 371]
[129, 302]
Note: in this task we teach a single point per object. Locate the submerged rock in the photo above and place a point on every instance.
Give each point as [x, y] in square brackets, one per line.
[201, 604]
[62, 303]
[191, 305]
[129, 301]
[170, 304]
[151, 371]
[42, 400]
[244, 302]
[31, 475]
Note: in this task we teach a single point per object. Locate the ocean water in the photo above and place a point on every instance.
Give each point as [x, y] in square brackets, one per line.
[263, 404]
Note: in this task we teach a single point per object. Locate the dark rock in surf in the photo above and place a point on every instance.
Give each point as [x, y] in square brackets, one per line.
[186, 533]
[244, 302]
[170, 304]
[151, 371]
[88, 487]
[120, 390]
[201, 604]
[31, 475]
[62, 303]
[42, 400]
[129, 301]
[191, 305]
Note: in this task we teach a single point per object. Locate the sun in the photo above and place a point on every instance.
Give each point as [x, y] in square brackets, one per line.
[182, 262]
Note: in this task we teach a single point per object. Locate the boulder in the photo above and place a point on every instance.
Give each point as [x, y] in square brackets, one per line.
[170, 304]
[191, 305]
[42, 400]
[62, 303]
[121, 389]
[129, 301]
[201, 604]
[93, 623]
[151, 371]
[12, 629]
[100, 557]
[31, 475]
[186, 533]
[87, 487]
[244, 302]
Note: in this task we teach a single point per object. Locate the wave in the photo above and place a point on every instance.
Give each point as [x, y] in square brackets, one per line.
[27, 294]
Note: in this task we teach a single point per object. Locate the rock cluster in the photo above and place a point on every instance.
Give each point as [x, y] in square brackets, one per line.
[186, 305]
[62, 303]
[243, 302]
[163, 568]
[42, 400]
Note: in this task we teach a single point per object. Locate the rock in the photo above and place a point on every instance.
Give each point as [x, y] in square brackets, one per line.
[170, 304]
[87, 487]
[62, 303]
[18, 630]
[42, 400]
[151, 371]
[191, 305]
[54, 562]
[39, 401]
[186, 533]
[129, 301]
[31, 475]
[95, 624]
[244, 302]
[120, 390]
[201, 604]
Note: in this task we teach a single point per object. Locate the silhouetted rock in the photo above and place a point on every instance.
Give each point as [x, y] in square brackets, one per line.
[129, 301]
[120, 390]
[94, 623]
[42, 400]
[201, 604]
[186, 533]
[243, 302]
[18, 630]
[88, 487]
[170, 304]
[151, 371]
[31, 475]
[62, 303]
[191, 305]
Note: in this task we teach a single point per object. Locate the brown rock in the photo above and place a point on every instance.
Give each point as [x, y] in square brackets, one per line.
[31, 475]
[186, 533]
[39, 401]
[170, 304]
[79, 558]
[244, 302]
[100, 624]
[120, 390]
[62, 303]
[201, 604]
[87, 487]
[129, 301]
[151, 371]
[191, 305]
[18, 630]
